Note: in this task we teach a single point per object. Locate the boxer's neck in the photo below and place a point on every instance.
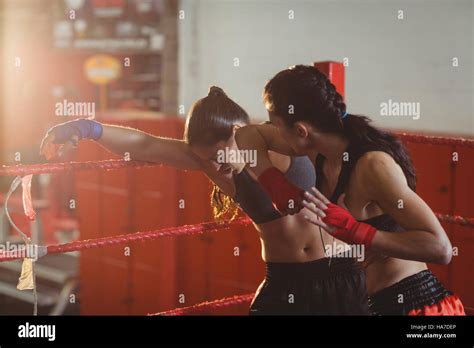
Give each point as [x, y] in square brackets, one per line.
[331, 146]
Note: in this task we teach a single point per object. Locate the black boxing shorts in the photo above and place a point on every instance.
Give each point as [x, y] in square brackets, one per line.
[326, 286]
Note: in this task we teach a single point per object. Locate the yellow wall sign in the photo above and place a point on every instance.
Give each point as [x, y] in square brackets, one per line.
[102, 69]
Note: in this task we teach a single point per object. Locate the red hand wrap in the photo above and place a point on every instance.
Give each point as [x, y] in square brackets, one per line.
[349, 230]
[281, 190]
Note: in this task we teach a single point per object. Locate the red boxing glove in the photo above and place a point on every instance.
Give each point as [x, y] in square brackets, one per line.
[285, 196]
[348, 230]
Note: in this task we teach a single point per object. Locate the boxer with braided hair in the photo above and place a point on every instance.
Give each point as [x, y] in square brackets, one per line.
[364, 195]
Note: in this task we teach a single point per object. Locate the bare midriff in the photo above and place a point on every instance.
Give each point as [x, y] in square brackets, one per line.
[382, 271]
[292, 239]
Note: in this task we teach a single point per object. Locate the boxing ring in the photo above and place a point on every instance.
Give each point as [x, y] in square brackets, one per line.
[185, 230]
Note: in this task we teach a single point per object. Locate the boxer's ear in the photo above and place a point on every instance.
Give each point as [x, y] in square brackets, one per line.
[235, 127]
[301, 129]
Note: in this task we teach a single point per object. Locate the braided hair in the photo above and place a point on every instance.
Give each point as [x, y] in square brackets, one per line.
[303, 93]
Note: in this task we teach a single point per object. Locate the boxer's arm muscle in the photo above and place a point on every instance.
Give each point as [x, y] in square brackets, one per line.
[262, 138]
[146, 147]
[424, 239]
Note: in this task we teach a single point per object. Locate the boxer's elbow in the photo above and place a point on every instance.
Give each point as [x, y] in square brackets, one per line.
[442, 251]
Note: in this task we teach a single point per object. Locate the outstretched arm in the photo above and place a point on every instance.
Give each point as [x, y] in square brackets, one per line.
[146, 147]
[120, 140]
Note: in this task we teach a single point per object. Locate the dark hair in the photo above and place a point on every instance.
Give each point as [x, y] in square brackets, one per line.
[210, 120]
[303, 93]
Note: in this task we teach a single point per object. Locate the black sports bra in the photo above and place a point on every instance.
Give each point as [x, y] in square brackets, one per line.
[382, 222]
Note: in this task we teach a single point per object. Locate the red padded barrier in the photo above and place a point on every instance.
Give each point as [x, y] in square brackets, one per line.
[154, 206]
[460, 268]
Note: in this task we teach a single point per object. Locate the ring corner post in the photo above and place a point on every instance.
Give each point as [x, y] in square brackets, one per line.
[335, 72]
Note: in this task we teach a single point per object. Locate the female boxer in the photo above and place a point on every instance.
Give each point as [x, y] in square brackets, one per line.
[298, 279]
[369, 174]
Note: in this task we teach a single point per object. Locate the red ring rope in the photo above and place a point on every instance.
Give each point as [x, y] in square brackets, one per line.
[44, 168]
[117, 164]
[456, 219]
[209, 305]
[185, 230]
